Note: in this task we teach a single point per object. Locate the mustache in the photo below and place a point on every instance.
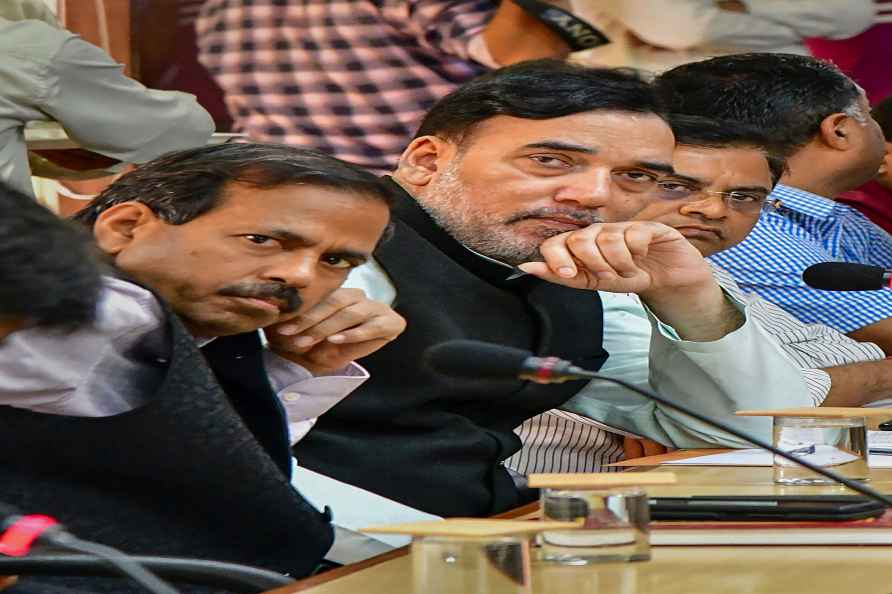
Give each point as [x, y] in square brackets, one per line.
[583, 216]
[288, 297]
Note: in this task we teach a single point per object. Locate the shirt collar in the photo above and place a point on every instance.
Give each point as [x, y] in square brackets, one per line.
[515, 271]
[803, 201]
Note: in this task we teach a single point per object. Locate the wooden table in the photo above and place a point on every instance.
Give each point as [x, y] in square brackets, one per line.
[675, 570]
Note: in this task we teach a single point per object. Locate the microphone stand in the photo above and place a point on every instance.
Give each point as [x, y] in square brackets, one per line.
[573, 372]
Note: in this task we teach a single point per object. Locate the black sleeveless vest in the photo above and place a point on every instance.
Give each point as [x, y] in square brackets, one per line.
[184, 475]
[438, 443]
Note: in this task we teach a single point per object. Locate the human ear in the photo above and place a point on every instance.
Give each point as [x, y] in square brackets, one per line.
[423, 159]
[116, 227]
[836, 131]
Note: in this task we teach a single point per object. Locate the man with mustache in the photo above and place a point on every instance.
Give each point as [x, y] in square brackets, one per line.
[165, 426]
[837, 146]
[538, 157]
[724, 173]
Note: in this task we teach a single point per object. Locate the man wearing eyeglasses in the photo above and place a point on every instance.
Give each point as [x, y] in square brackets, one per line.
[538, 168]
[721, 184]
[835, 146]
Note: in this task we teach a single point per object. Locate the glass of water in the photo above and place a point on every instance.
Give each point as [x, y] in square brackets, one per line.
[466, 564]
[615, 525]
[840, 444]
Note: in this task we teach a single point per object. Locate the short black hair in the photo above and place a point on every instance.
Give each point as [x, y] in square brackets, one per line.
[705, 132]
[183, 185]
[538, 90]
[882, 113]
[786, 96]
[50, 274]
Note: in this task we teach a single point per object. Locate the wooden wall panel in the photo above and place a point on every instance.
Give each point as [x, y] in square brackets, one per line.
[86, 18]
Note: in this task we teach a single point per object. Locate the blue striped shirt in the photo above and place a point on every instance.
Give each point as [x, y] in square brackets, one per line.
[804, 230]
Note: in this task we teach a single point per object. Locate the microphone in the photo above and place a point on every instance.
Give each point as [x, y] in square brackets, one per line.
[472, 359]
[843, 276]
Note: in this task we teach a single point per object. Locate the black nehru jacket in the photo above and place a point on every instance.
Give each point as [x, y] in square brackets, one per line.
[438, 443]
[184, 475]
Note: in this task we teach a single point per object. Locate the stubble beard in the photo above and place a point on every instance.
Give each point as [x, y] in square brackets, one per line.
[451, 204]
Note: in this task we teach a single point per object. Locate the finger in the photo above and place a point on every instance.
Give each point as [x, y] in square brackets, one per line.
[639, 238]
[613, 250]
[377, 328]
[331, 356]
[359, 350]
[349, 317]
[557, 256]
[323, 310]
[582, 280]
[585, 248]
[620, 245]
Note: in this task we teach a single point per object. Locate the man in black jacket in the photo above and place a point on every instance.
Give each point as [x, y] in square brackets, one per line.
[164, 425]
[527, 169]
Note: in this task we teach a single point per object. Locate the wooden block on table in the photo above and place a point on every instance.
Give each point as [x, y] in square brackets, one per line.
[470, 527]
[591, 480]
[829, 412]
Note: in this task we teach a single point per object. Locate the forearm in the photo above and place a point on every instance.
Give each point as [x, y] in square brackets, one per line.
[879, 333]
[697, 315]
[514, 36]
[859, 383]
[746, 369]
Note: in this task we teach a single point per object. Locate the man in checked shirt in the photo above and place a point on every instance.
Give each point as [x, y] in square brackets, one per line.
[353, 78]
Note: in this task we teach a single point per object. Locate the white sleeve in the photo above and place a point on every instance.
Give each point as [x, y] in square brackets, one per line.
[746, 369]
[306, 397]
[813, 347]
[687, 24]
[112, 114]
[84, 372]
[833, 19]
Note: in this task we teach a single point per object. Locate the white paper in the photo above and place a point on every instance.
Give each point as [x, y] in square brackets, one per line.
[753, 457]
[354, 508]
[882, 439]
[758, 457]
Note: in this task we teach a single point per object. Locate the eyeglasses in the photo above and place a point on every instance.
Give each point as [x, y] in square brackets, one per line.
[739, 200]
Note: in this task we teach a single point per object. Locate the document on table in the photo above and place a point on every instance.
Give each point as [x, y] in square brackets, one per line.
[353, 508]
[759, 457]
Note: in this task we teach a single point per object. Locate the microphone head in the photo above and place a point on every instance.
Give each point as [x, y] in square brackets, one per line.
[842, 276]
[475, 360]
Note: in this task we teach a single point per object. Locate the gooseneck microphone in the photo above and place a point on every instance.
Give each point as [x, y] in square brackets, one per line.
[471, 359]
[843, 276]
